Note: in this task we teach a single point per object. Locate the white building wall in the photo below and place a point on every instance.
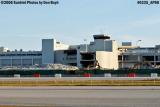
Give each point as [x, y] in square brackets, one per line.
[107, 60]
[60, 46]
[115, 54]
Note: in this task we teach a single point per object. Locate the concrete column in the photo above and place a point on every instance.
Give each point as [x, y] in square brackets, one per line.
[11, 61]
[139, 58]
[32, 60]
[154, 57]
[122, 61]
[0, 62]
[154, 60]
[21, 61]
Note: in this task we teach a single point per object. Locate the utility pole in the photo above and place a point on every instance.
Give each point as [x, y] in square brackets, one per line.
[86, 44]
[138, 42]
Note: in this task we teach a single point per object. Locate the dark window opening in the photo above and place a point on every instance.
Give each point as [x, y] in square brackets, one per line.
[148, 58]
[70, 52]
[120, 58]
[86, 64]
[73, 64]
[87, 56]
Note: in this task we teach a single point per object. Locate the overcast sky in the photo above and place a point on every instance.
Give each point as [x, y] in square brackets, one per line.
[72, 21]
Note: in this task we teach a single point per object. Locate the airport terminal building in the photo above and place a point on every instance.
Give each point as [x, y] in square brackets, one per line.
[102, 53]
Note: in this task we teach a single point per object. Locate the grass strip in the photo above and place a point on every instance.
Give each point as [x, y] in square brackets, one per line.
[81, 83]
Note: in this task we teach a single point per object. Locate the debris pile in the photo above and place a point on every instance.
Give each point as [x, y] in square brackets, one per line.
[61, 67]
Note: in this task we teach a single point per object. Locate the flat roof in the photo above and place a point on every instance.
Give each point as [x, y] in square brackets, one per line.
[101, 36]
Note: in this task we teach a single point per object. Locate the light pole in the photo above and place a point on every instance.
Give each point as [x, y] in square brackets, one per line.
[138, 42]
[155, 56]
[139, 54]
[86, 44]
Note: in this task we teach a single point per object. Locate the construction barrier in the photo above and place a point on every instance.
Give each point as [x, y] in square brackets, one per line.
[107, 75]
[51, 73]
[37, 75]
[58, 75]
[131, 75]
[154, 75]
[17, 76]
[87, 75]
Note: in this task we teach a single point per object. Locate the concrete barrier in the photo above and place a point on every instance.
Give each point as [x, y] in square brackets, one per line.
[132, 75]
[58, 75]
[107, 75]
[17, 76]
[37, 75]
[87, 75]
[154, 75]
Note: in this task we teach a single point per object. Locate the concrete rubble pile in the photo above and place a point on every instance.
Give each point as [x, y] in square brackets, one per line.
[61, 67]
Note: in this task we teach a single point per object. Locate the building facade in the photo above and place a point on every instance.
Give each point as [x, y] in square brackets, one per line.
[139, 58]
[20, 58]
[102, 53]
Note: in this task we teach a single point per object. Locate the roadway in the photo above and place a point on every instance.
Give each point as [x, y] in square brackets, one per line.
[81, 96]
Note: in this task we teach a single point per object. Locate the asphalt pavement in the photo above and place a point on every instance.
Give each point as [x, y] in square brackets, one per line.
[81, 96]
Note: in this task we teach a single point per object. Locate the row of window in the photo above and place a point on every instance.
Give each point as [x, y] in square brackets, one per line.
[20, 54]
